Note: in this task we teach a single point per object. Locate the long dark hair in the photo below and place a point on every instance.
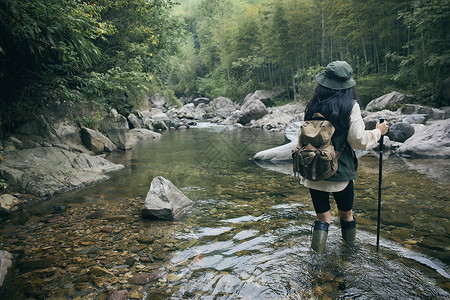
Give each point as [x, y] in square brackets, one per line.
[334, 105]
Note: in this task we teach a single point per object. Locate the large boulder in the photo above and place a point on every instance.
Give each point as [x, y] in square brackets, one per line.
[187, 111]
[386, 101]
[400, 132]
[432, 142]
[49, 170]
[220, 107]
[165, 201]
[139, 134]
[5, 264]
[277, 154]
[96, 141]
[8, 204]
[116, 126]
[252, 110]
[59, 123]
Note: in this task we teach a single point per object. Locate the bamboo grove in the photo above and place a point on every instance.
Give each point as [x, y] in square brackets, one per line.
[239, 46]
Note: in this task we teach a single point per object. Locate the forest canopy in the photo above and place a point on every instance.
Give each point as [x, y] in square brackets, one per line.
[117, 52]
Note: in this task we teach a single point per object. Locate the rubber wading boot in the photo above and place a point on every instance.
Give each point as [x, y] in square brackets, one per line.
[320, 234]
[348, 229]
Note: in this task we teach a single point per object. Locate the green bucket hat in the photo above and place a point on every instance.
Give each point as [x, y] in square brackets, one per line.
[337, 76]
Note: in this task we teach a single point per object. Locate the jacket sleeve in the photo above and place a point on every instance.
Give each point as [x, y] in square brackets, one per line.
[358, 137]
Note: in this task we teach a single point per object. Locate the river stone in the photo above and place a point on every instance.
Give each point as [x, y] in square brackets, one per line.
[252, 110]
[144, 278]
[280, 153]
[134, 121]
[96, 141]
[264, 96]
[138, 134]
[116, 127]
[431, 142]
[119, 295]
[187, 111]
[165, 201]
[5, 263]
[220, 107]
[400, 132]
[8, 204]
[45, 171]
[386, 101]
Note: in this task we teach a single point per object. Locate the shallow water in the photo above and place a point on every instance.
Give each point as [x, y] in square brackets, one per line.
[247, 236]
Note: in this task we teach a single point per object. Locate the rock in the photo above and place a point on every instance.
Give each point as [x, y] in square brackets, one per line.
[251, 110]
[165, 201]
[371, 118]
[1, 158]
[8, 204]
[5, 264]
[96, 141]
[59, 123]
[45, 171]
[277, 154]
[187, 111]
[116, 126]
[144, 278]
[134, 121]
[219, 107]
[430, 112]
[200, 100]
[291, 132]
[157, 100]
[16, 142]
[400, 132]
[415, 119]
[265, 96]
[279, 117]
[386, 101]
[138, 134]
[432, 142]
[200, 111]
[119, 295]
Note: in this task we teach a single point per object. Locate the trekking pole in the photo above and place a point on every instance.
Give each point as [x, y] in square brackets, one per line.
[380, 178]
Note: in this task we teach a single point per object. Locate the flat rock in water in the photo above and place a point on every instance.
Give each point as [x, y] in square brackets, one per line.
[165, 201]
[48, 170]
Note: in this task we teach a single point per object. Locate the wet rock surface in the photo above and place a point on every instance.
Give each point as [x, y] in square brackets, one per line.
[48, 170]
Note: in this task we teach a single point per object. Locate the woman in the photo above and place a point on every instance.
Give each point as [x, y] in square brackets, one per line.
[334, 98]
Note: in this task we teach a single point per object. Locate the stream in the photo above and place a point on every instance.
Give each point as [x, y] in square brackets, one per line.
[248, 235]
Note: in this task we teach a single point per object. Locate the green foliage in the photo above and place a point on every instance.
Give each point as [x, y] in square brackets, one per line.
[105, 51]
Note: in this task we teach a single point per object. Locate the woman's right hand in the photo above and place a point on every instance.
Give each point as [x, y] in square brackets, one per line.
[383, 127]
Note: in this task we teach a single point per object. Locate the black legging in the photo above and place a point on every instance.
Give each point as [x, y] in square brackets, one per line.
[344, 199]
